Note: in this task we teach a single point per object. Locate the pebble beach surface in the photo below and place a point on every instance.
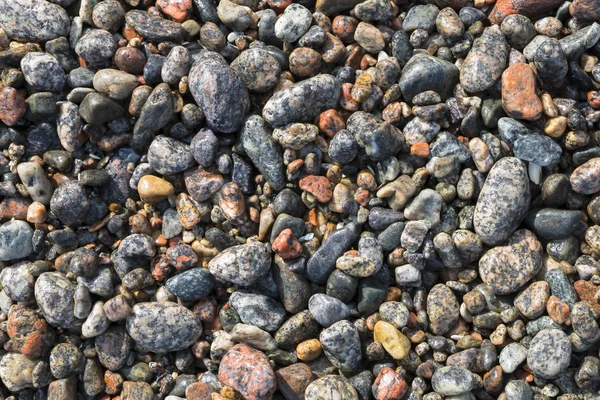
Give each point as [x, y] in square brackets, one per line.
[288, 200]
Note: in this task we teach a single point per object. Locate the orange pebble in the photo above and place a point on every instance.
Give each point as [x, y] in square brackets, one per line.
[420, 149]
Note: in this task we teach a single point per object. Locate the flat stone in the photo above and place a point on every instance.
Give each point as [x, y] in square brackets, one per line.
[33, 20]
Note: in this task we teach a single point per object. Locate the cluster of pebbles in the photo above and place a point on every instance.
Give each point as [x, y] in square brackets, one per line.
[260, 199]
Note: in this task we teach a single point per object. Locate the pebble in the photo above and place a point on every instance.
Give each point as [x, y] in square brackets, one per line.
[243, 265]
[330, 387]
[442, 309]
[322, 262]
[259, 310]
[549, 353]
[303, 101]
[293, 23]
[168, 156]
[495, 223]
[153, 189]
[584, 179]
[163, 327]
[341, 344]
[193, 284]
[54, 294]
[154, 28]
[247, 371]
[96, 46]
[422, 73]
[33, 20]
[452, 381]
[393, 341]
[208, 73]
[485, 62]
[258, 69]
[42, 72]
[117, 85]
[327, 310]
[519, 98]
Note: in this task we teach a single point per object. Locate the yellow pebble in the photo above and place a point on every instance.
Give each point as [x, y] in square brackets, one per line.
[309, 350]
[153, 189]
[393, 341]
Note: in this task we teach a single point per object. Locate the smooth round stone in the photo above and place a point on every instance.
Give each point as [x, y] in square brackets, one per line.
[43, 72]
[549, 353]
[393, 341]
[248, 371]
[293, 23]
[395, 313]
[295, 136]
[497, 213]
[343, 148]
[518, 390]
[34, 20]
[330, 387]
[506, 268]
[327, 310]
[519, 30]
[452, 381]
[54, 295]
[193, 284]
[485, 62]
[163, 327]
[168, 156]
[341, 345]
[422, 73]
[96, 46]
[259, 310]
[258, 68]
[108, 15]
[115, 84]
[130, 60]
[550, 60]
[442, 309]
[379, 138]
[512, 356]
[16, 371]
[70, 203]
[215, 87]
[18, 283]
[153, 189]
[137, 245]
[551, 224]
[37, 184]
[96, 109]
[204, 147]
[155, 28]
[65, 359]
[177, 65]
[586, 178]
[538, 149]
[243, 265]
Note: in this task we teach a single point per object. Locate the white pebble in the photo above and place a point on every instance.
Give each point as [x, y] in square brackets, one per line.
[535, 173]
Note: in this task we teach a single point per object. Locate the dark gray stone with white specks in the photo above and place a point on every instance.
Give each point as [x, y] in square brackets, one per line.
[163, 327]
[54, 295]
[242, 265]
[193, 284]
[379, 138]
[304, 101]
[266, 155]
[422, 73]
[322, 263]
[452, 381]
[341, 345]
[258, 310]
[220, 92]
[155, 28]
[168, 156]
[43, 72]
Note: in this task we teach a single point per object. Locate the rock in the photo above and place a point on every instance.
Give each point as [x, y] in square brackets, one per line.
[506, 268]
[550, 61]
[258, 69]
[34, 178]
[448, 23]
[322, 263]
[551, 223]
[497, 214]
[422, 73]
[96, 46]
[258, 310]
[176, 66]
[155, 28]
[154, 115]
[512, 356]
[18, 283]
[54, 295]
[204, 147]
[16, 371]
[452, 381]
[168, 156]
[343, 148]
[341, 344]
[586, 178]
[379, 138]
[108, 15]
[296, 135]
[65, 359]
[117, 85]
[303, 101]
[292, 285]
[96, 109]
[253, 336]
[259, 145]
[442, 309]
[15, 240]
[33, 20]
[235, 16]
[43, 72]
[425, 207]
[327, 310]
[318, 186]
[113, 348]
[153, 189]
[584, 323]
[421, 17]
[248, 371]
[393, 341]
[29, 332]
[519, 98]
[531, 302]
[293, 23]
[503, 8]
[242, 265]
[369, 37]
[193, 284]
[293, 380]
[485, 62]
[330, 387]
[538, 149]
[216, 88]
[587, 10]
[137, 245]
[163, 327]
[12, 106]
[549, 353]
